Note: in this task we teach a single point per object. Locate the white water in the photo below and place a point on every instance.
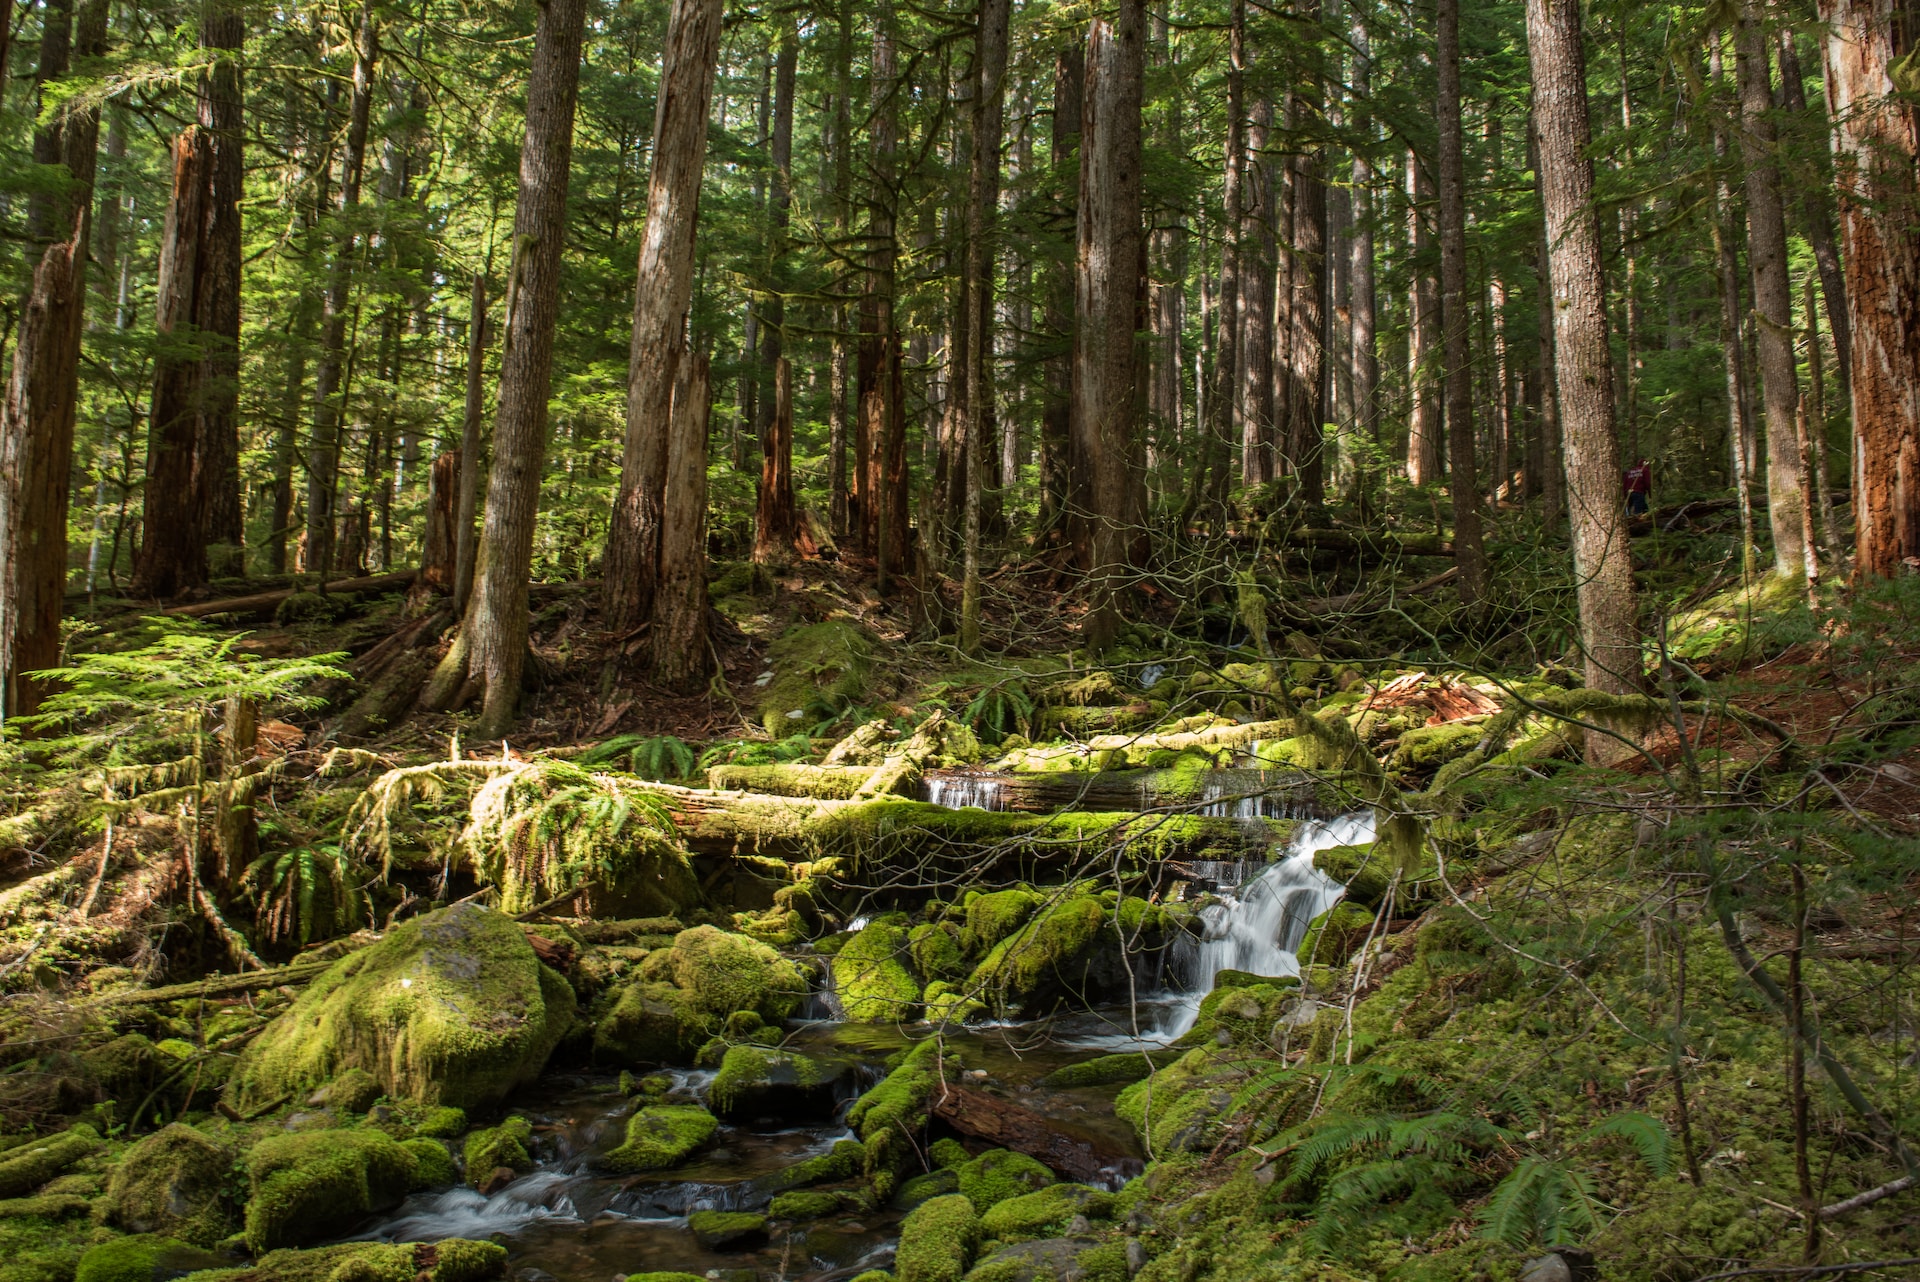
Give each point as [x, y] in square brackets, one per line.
[1238, 796]
[955, 791]
[1257, 926]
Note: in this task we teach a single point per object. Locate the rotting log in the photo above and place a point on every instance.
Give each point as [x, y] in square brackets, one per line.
[834, 783]
[1208, 736]
[1283, 793]
[298, 972]
[1089, 1159]
[262, 602]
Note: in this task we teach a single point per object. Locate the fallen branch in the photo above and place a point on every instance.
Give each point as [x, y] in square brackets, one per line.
[262, 601]
[1810, 1270]
[1860, 1200]
[217, 986]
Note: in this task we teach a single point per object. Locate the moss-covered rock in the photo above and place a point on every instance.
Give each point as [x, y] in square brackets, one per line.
[450, 1008]
[723, 973]
[486, 1151]
[315, 1184]
[937, 1240]
[1045, 1212]
[937, 952]
[1108, 1070]
[448, 1260]
[804, 1204]
[1180, 1108]
[727, 1230]
[144, 1257]
[756, 1081]
[818, 666]
[432, 1164]
[890, 1116]
[1334, 935]
[926, 1187]
[665, 1277]
[1057, 1260]
[353, 1091]
[1071, 950]
[461, 1260]
[871, 979]
[174, 1182]
[650, 1022]
[662, 1135]
[27, 1166]
[999, 1174]
[444, 1123]
[992, 917]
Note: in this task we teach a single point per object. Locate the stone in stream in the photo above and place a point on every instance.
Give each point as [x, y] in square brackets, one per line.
[1052, 1260]
[687, 993]
[316, 1184]
[450, 1008]
[757, 1081]
[662, 1135]
[727, 1230]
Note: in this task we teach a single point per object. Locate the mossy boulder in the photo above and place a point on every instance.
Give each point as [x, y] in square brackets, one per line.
[1335, 934]
[804, 1204]
[1054, 1260]
[820, 665]
[662, 1135]
[486, 1151]
[143, 1257]
[451, 1008]
[353, 1091]
[999, 1174]
[686, 992]
[1181, 1108]
[871, 978]
[432, 1164]
[890, 1116]
[666, 1277]
[448, 1260]
[937, 952]
[1430, 747]
[992, 917]
[727, 1230]
[317, 1184]
[937, 1240]
[174, 1182]
[1071, 950]
[757, 1081]
[1045, 1212]
[924, 1188]
[444, 1123]
[1108, 1070]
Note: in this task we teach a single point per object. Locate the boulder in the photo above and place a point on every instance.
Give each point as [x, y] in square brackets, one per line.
[174, 1182]
[451, 1008]
[662, 1135]
[1054, 1260]
[757, 1081]
[144, 1257]
[727, 1230]
[685, 994]
[999, 1174]
[871, 978]
[1045, 1212]
[937, 1240]
[319, 1184]
[505, 1145]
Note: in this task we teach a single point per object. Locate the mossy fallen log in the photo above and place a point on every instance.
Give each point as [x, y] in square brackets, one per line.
[1117, 751]
[831, 783]
[217, 986]
[1226, 793]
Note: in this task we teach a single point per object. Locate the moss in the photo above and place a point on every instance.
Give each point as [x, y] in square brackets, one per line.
[459, 1260]
[992, 917]
[1334, 934]
[650, 1023]
[443, 1123]
[1107, 1070]
[804, 1204]
[45, 1206]
[1045, 1212]
[1069, 950]
[1429, 747]
[945, 1153]
[376, 1262]
[937, 1240]
[1364, 870]
[432, 1164]
[450, 1008]
[936, 951]
[141, 1258]
[504, 1145]
[35, 1248]
[174, 1182]
[924, 1188]
[821, 664]
[998, 1174]
[1106, 1262]
[353, 1091]
[950, 1004]
[893, 1112]
[665, 1277]
[662, 1135]
[28, 1166]
[1181, 1107]
[454, 1260]
[873, 985]
[313, 1184]
[754, 1081]
[828, 783]
[873, 1275]
[727, 1230]
[723, 973]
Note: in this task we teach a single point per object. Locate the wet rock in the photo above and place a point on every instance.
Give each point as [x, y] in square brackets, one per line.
[314, 1185]
[531, 1274]
[1568, 1264]
[174, 1182]
[498, 1178]
[353, 1091]
[141, 1257]
[451, 1008]
[756, 1081]
[937, 1240]
[1136, 1256]
[727, 1230]
[662, 1135]
[499, 1146]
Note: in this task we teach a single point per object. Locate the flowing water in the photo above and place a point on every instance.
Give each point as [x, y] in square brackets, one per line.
[957, 789]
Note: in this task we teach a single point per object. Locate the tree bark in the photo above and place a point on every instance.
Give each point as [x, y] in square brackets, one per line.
[1261, 322]
[1463, 482]
[1740, 433]
[1876, 150]
[983, 202]
[323, 453]
[682, 654]
[438, 546]
[491, 649]
[775, 527]
[1305, 414]
[37, 415]
[1057, 403]
[840, 409]
[467, 502]
[1366, 361]
[1423, 336]
[1213, 470]
[1815, 213]
[1106, 293]
[1772, 294]
[1603, 568]
[882, 423]
[663, 291]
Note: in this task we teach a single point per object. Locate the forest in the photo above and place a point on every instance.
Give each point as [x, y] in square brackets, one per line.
[970, 641]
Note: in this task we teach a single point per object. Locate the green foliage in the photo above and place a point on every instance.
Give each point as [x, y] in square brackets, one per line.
[662, 757]
[999, 710]
[305, 892]
[1543, 1201]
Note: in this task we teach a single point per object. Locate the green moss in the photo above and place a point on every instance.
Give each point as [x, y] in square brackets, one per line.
[1045, 1212]
[873, 985]
[450, 1008]
[936, 951]
[1108, 1070]
[1364, 870]
[141, 1258]
[945, 1153]
[1053, 955]
[754, 1079]
[999, 1174]
[1180, 1108]
[44, 1206]
[873, 1275]
[432, 1164]
[459, 1260]
[28, 1166]
[376, 1262]
[821, 664]
[924, 1188]
[992, 917]
[1334, 934]
[454, 1260]
[804, 1204]
[937, 1240]
[497, 1146]
[1430, 747]
[1106, 1262]
[727, 1230]
[444, 1123]
[174, 1182]
[311, 1184]
[893, 1112]
[723, 973]
[950, 1004]
[665, 1277]
[662, 1135]
[353, 1091]
[651, 1023]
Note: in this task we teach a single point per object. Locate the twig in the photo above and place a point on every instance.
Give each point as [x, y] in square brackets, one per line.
[1860, 1200]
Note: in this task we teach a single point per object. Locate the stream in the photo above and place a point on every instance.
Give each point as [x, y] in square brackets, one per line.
[568, 1220]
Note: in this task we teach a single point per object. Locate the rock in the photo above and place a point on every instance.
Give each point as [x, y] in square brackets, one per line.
[754, 1081]
[727, 1230]
[443, 1124]
[318, 1184]
[321, 1119]
[924, 1188]
[531, 1274]
[353, 1091]
[174, 1182]
[498, 1178]
[871, 978]
[1052, 1260]
[820, 661]
[999, 1174]
[1566, 1264]
[1069, 950]
[1136, 1256]
[143, 1258]
[804, 1204]
[937, 1240]
[505, 1145]
[1045, 1212]
[686, 993]
[451, 1008]
[432, 1164]
[662, 1135]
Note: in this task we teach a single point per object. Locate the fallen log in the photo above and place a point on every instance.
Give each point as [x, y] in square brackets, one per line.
[217, 986]
[261, 602]
[1266, 793]
[1089, 1159]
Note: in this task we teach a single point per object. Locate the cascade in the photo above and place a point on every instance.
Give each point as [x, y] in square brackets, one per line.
[954, 790]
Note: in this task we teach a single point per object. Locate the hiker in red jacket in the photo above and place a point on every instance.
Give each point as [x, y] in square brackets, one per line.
[1639, 486]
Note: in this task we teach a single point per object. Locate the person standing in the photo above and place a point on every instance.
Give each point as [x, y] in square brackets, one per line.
[1639, 484]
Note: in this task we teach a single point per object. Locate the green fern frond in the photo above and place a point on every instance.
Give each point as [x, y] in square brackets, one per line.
[1647, 1134]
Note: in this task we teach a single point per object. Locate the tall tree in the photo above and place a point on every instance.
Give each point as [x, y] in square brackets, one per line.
[662, 292]
[1107, 280]
[1463, 482]
[1602, 564]
[1366, 361]
[682, 654]
[983, 203]
[489, 655]
[1260, 197]
[1069, 69]
[1876, 156]
[42, 393]
[466, 501]
[1423, 331]
[1212, 471]
[775, 521]
[881, 427]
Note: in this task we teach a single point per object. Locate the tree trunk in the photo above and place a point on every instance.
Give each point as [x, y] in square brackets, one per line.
[216, 318]
[1815, 213]
[467, 502]
[1603, 568]
[1423, 326]
[1817, 390]
[1106, 293]
[1213, 470]
[1057, 403]
[662, 293]
[1876, 150]
[1772, 295]
[286, 437]
[1463, 482]
[323, 453]
[437, 547]
[1255, 403]
[776, 528]
[983, 203]
[1727, 260]
[1306, 411]
[882, 422]
[37, 415]
[840, 409]
[1366, 362]
[491, 649]
[682, 654]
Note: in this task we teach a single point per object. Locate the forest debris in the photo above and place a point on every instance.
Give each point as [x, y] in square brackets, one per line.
[1448, 699]
[262, 602]
[217, 986]
[1005, 1124]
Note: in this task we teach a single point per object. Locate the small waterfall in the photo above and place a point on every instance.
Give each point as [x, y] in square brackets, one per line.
[1246, 794]
[956, 789]
[1256, 927]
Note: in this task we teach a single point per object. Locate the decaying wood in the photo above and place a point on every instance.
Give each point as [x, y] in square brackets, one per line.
[1003, 1123]
[264, 602]
[298, 972]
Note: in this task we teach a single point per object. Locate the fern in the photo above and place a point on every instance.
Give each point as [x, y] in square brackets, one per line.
[1540, 1201]
[1000, 710]
[305, 893]
[1647, 1134]
[661, 757]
